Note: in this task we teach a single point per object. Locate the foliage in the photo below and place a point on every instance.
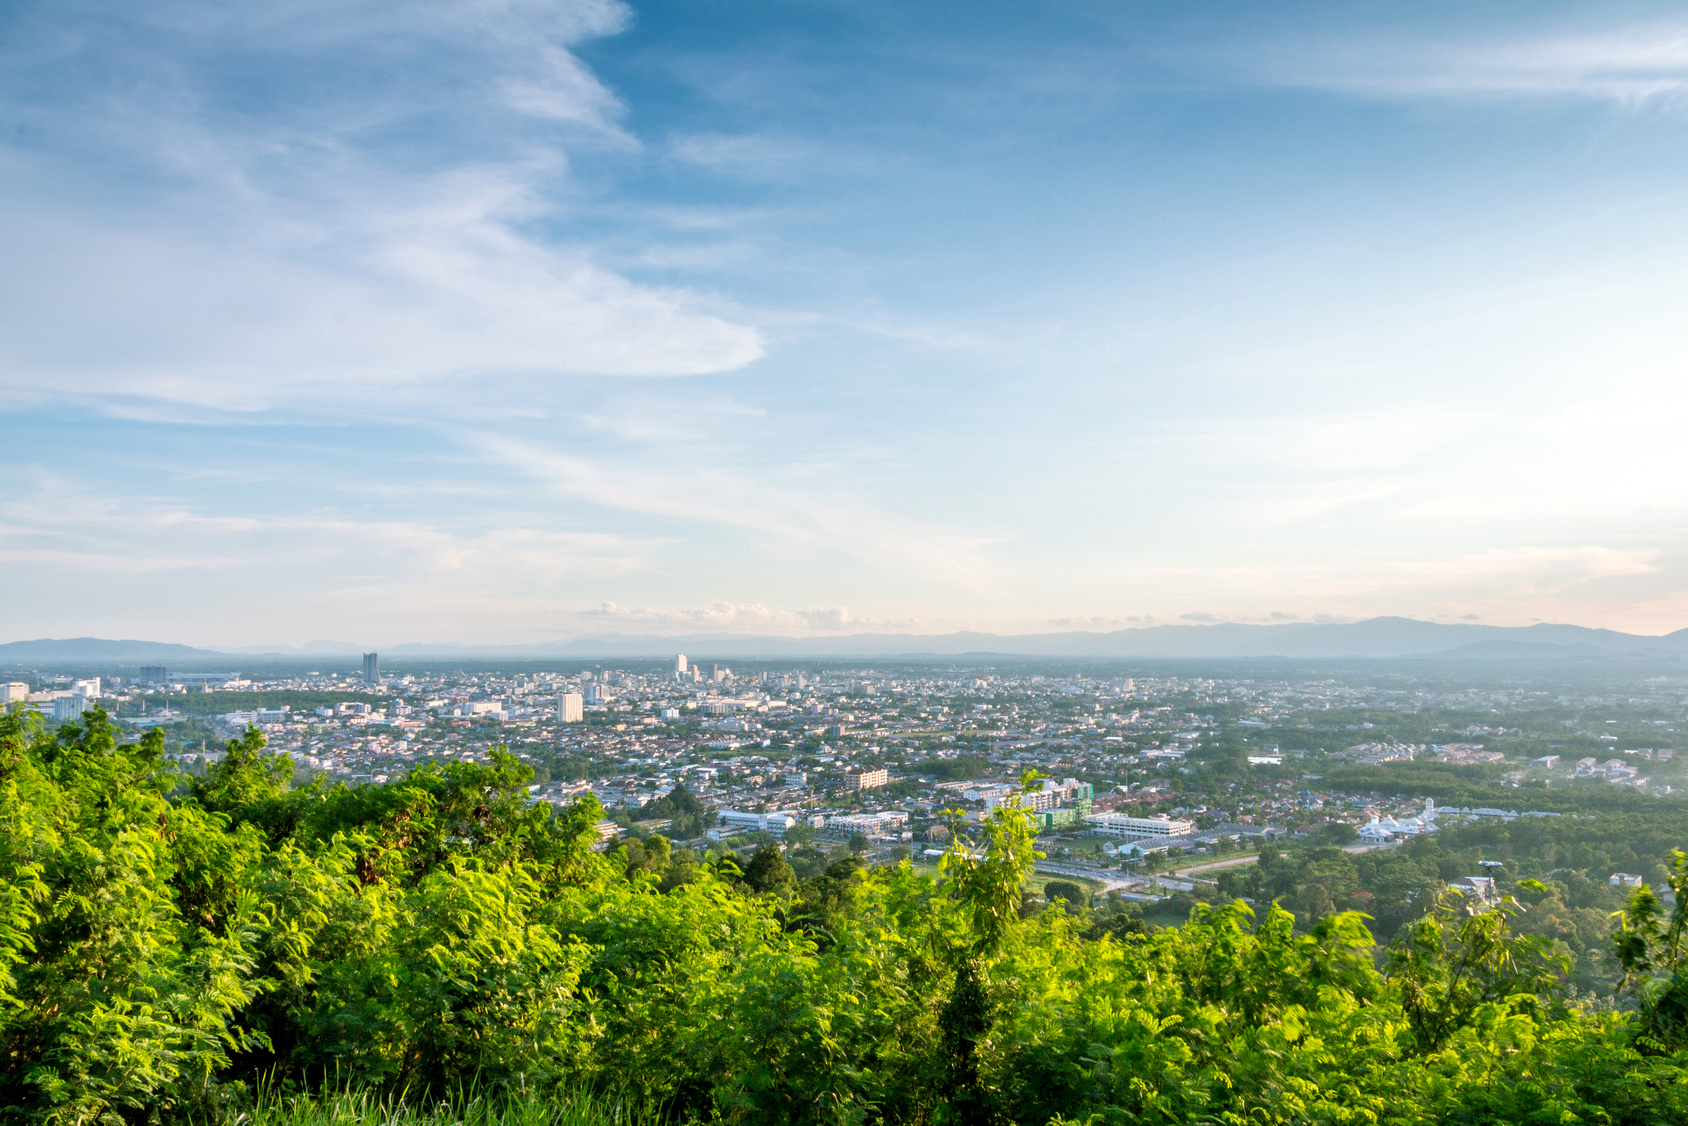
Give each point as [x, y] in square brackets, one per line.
[439, 949]
[1652, 948]
[678, 802]
[522, 1107]
[1066, 890]
[958, 769]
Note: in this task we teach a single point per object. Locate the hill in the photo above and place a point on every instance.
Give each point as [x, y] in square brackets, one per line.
[1374, 639]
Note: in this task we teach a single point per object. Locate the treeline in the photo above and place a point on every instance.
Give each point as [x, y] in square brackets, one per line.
[169, 947]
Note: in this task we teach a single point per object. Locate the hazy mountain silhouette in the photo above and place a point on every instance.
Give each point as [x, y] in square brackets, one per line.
[1375, 638]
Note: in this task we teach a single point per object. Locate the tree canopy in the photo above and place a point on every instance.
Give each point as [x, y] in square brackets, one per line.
[169, 945]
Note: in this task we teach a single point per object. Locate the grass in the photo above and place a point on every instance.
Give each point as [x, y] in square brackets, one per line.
[1036, 881]
[523, 1108]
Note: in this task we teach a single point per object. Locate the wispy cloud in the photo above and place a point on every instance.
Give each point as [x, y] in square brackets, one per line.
[747, 616]
[321, 244]
[46, 519]
[807, 520]
[1633, 64]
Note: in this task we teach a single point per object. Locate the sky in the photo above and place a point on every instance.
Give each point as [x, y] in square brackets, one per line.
[508, 321]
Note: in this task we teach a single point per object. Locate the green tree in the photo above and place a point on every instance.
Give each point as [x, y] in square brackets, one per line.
[768, 873]
[1651, 946]
[1066, 890]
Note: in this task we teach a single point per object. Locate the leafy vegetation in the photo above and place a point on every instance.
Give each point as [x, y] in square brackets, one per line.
[681, 807]
[439, 949]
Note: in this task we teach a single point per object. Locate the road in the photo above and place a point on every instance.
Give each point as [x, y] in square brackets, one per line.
[1110, 881]
[1208, 866]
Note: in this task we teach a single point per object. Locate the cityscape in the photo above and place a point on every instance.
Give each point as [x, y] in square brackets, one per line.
[1143, 782]
[849, 563]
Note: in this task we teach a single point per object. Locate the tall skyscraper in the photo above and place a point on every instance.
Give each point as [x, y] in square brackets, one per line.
[372, 668]
[571, 708]
[155, 674]
[680, 666]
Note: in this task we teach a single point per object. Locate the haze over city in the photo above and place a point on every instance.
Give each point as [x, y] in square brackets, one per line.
[515, 322]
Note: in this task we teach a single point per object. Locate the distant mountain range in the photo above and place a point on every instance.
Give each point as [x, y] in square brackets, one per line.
[1375, 638]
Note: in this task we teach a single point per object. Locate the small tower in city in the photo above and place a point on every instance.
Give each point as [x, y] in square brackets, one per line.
[372, 668]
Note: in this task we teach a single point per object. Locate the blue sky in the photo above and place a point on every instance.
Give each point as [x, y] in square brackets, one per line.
[511, 321]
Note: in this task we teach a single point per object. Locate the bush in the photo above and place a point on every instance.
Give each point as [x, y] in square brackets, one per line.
[167, 950]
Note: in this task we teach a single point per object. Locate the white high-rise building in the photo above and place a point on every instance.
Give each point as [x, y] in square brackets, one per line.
[680, 665]
[571, 708]
[69, 707]
[15, 690]
[89, 688]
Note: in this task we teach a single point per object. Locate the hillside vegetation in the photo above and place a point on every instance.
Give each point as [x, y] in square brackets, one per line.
[180, 949]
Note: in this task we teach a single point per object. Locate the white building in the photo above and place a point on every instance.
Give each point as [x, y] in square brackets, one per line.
[872, 824]
[260, 715]
[1375, 833]
[865, 779]
[571, 707]
[1388, 828]
[1119, 825]
[89, 688]
[15, 690]
[69, 707]
[735, 821]
[680, 666]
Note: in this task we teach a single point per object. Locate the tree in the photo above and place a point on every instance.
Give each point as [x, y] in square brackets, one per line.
[245, 777]
[1463, 956]
[768, 873]
[1065, 890]
[1338, 833]
[1652, 948]
[858, 842]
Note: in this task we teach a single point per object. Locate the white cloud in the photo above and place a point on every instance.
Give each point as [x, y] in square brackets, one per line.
[1632, 64]
[264, 256]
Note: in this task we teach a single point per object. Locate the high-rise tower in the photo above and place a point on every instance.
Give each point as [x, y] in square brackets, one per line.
[372, 668]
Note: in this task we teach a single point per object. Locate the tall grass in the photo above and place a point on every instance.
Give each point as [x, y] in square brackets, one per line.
[518, 1108]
